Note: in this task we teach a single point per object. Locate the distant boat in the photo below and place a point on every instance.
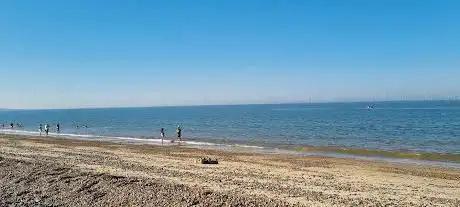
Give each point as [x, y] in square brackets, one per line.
[370, 107]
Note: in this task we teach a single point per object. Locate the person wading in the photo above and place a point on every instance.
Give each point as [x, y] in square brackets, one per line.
[40, 129]
[179, 133]
[47, 129]
[162, 134]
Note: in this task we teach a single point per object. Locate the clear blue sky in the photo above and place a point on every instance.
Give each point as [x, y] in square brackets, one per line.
[88, 53]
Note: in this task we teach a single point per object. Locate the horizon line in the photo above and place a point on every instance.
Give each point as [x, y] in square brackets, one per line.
[236, 104]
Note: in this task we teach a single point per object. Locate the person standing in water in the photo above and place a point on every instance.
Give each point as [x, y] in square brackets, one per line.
[179, 133]
[40, 129]
[58, 128]
[12, 125]
[47, 129]
[162, 134]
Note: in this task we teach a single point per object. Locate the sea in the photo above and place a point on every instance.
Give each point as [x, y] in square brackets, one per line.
[414, 126]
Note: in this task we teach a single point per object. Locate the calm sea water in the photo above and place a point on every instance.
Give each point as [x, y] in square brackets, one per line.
[424, 126]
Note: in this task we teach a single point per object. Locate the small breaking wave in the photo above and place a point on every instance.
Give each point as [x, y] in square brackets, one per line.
[146, 140]
[79, 136]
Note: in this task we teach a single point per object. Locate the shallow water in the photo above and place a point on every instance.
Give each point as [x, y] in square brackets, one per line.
[423, 126]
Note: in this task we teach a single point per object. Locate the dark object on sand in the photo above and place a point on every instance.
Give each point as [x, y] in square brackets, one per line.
[207, 160]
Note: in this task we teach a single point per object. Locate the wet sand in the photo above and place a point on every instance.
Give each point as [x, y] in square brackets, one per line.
[58, 172]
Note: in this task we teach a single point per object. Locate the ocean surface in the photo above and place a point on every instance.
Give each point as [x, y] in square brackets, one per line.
[419, 126]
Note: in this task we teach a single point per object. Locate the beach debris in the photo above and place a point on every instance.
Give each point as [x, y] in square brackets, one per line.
[208, 160]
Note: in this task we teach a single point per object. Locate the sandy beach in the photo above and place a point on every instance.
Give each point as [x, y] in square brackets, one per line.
[37, 171]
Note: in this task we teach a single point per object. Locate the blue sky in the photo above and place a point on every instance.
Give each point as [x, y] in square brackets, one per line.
[86, 53]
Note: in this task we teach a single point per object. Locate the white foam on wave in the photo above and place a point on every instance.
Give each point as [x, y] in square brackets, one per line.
[248, 146]
[19, 132]
[198, 143]
[151, 141]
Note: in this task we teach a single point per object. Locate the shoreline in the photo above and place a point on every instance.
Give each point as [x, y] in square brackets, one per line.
[434, 159]
[103, 173]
